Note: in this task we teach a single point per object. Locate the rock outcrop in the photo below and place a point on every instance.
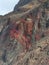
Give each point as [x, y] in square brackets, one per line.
[21, 3]
[24, 35]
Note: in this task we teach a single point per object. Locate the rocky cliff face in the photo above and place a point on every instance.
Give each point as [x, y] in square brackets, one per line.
[24, 36]
[21, 3]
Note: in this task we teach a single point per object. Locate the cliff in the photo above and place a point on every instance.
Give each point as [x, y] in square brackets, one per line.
[24, 34]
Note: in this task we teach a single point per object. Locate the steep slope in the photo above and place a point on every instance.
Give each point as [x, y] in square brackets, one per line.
[21, 3]
[24, 36]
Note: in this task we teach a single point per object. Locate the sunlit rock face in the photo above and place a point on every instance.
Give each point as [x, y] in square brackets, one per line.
[21, 3]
